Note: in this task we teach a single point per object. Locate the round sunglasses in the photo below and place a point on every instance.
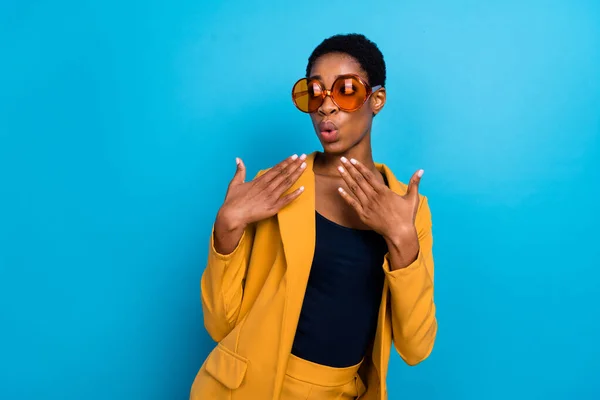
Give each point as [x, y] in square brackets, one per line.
[349, 92]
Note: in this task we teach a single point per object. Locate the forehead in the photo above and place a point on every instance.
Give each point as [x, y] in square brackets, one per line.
[329, 66]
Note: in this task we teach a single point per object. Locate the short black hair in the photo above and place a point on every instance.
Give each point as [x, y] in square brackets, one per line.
[357, 46]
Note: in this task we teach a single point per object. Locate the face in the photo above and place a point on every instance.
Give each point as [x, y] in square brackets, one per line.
[340, 131]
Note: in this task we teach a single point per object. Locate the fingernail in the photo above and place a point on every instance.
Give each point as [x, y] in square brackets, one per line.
[302, 188]
[237, 161]
[353, 161]
[344, 159]
[294, 156]
[420, 173]
[340, 190]
[303, 165]
[341, 169]
[303, 157]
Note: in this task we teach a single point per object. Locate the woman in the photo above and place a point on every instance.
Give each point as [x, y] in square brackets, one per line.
[316, 264]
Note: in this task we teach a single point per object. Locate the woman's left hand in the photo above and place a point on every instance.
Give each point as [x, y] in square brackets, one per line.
[387, 213]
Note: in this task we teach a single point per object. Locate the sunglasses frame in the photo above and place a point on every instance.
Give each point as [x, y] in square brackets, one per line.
[327, 92]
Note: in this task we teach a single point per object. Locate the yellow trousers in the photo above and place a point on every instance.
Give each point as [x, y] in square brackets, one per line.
[305, 380]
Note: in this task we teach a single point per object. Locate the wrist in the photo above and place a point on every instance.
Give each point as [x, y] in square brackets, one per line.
[403, 246]
[401, 236]
[228, 221]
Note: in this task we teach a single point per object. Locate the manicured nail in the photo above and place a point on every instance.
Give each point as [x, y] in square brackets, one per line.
[303, 165]
[344, 159]
[237, 161]
[302, 188]
[341, 169]
[353, 161]
[294, 157]
[340, 190]
[303, 157]
[420, 173]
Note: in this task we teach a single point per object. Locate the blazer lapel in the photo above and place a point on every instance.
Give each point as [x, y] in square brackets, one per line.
[297, 228]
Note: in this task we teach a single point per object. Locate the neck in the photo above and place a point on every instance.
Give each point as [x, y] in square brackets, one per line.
[327, 163]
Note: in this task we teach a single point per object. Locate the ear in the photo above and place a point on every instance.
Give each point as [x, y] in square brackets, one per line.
[377, 100]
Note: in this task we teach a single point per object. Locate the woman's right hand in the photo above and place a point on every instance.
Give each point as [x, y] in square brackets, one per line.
[260, 198]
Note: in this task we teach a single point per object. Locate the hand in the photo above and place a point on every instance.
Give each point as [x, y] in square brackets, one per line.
[387, 213]
[248, 202]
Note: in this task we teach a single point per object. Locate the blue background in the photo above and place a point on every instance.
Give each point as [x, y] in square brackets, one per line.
[119, 128]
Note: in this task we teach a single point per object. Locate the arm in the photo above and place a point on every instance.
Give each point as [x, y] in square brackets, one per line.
[222, 280]
[222, 283]
[414, 324]
[232, 238]
[405, 223]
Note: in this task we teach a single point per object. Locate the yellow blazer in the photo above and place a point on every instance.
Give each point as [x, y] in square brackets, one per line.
[252, 297]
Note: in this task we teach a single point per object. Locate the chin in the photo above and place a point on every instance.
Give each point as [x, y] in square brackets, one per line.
[334, 148]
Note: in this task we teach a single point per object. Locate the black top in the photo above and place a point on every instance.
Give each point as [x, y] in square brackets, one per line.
[339, 314]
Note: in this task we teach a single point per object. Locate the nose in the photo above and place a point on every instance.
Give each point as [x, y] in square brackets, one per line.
[328, 107]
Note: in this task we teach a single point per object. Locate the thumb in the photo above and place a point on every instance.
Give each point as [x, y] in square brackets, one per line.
[240, 173]
[413, 185]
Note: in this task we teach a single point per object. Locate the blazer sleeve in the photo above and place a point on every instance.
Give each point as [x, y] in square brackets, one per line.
[222, 284]
[413, 311]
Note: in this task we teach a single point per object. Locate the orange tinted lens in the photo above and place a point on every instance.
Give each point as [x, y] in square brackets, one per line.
[349, 93]
[307, 95]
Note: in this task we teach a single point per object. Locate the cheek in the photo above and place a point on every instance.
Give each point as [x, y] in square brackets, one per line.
[315, 119]
[359, 121]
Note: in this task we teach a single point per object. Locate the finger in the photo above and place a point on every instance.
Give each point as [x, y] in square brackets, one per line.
[366, 187]
[413, 186]
[367, 174]
[275, 171]
[350, 200]
[288, 198]
[284, 177]
[295, 171]
[354, 186]
[240, 172]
